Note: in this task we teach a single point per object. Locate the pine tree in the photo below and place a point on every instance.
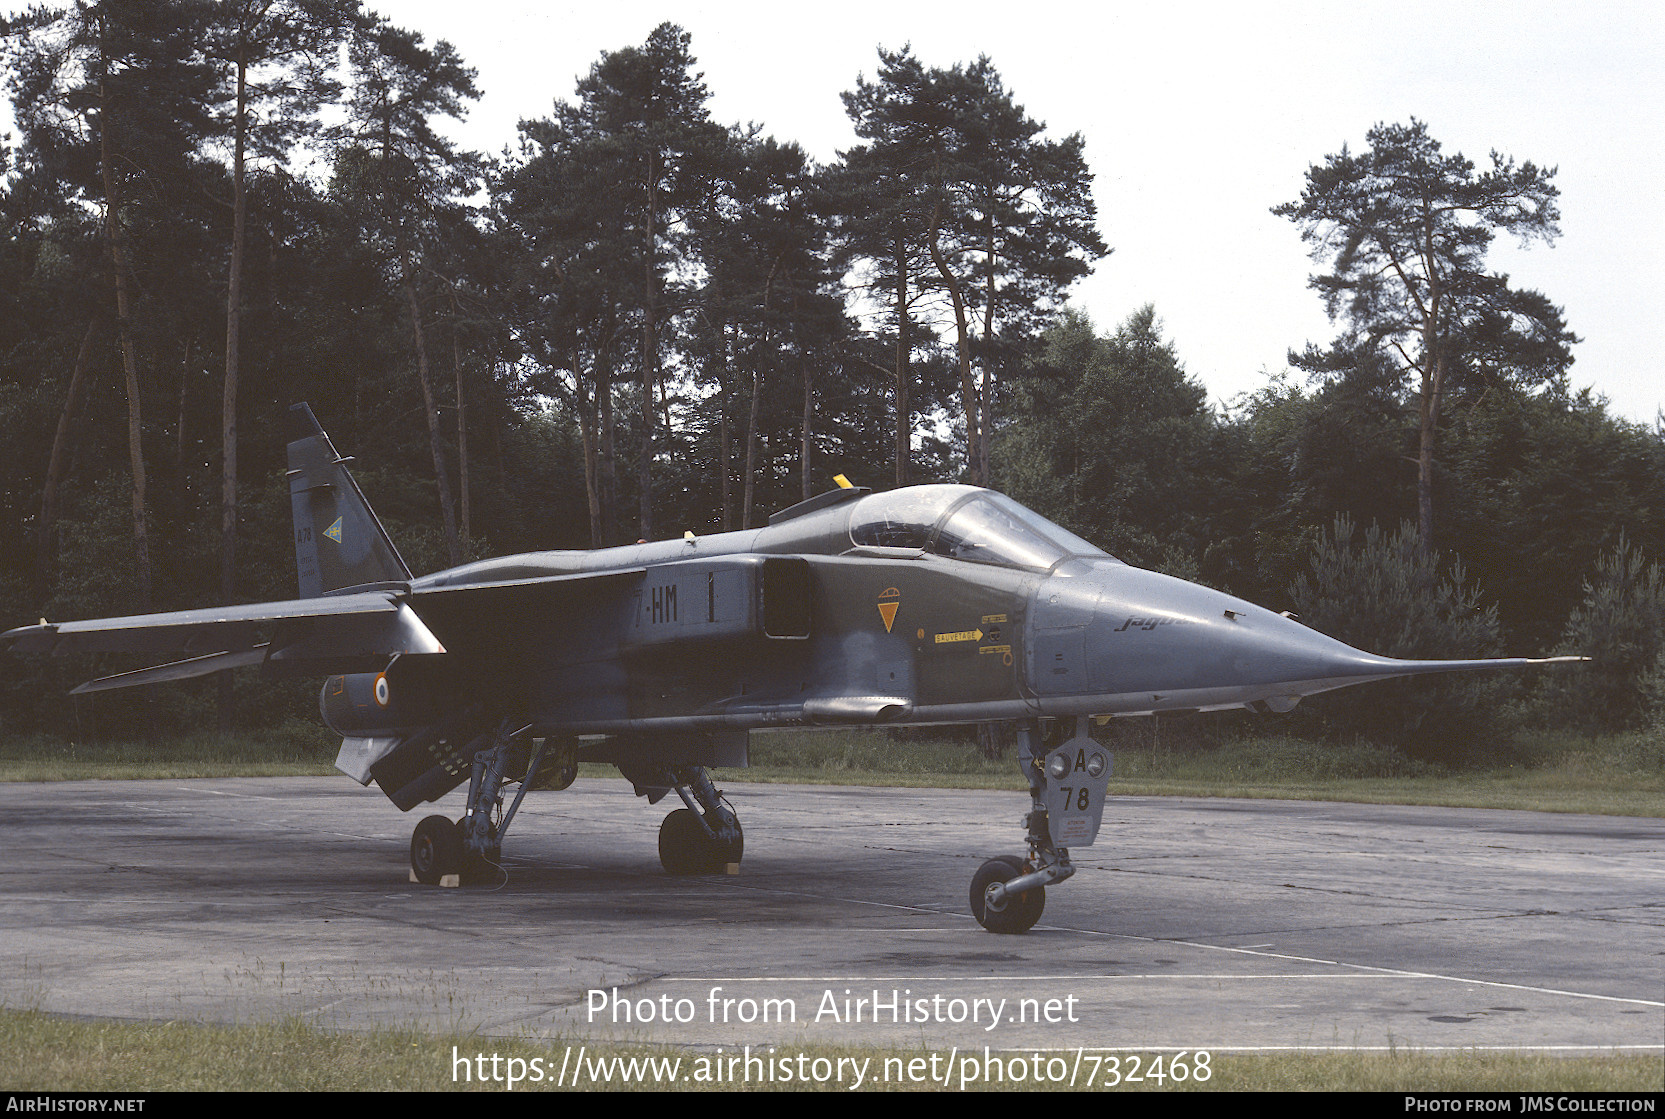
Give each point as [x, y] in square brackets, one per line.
[1008, 219]
[1405, 229]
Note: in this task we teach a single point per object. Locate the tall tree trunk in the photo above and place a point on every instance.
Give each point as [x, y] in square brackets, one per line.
[129, 356]
[750, 486]
[1433, 388]
[904, 372]
[728, 470]
[665, 418]
[969, 402]
[804, 457]
[233, 346]
[609, 465]
[447, 509]
[45, 552]
[725, 466]
[985, 391]
[233, 337]
[809, 415]
[181, 434]
[650, 348]
[1428, 419]
[587, 433]
[462, 416]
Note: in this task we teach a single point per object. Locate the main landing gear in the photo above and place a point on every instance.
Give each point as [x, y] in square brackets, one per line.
[705, 836]
[1067, 784]
[471, 848]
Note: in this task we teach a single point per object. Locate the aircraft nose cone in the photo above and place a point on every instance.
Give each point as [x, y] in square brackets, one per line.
[1158, 642]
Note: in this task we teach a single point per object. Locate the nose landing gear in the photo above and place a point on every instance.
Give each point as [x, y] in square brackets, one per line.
[1067, 787]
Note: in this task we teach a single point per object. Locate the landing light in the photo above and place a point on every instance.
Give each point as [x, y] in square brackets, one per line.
[1058, 766]
[1095, 765]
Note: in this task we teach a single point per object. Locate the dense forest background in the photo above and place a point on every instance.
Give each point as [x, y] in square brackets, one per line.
[644, 321]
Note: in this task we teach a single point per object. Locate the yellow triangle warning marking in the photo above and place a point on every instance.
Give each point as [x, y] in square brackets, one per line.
[887, 611]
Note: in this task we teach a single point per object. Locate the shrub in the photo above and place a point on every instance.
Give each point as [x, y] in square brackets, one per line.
[1620, 625]
[1386, 597]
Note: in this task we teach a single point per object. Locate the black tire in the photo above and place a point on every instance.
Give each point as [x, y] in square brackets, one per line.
[435, 850]
[1020, 913]
[684, 848]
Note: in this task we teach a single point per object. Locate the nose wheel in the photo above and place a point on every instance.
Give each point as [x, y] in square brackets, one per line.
[1012, 912]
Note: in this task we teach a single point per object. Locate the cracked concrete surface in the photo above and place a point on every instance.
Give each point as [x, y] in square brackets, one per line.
[1201, 924]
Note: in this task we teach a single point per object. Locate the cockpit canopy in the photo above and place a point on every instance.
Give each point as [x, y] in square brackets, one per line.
[964, 523]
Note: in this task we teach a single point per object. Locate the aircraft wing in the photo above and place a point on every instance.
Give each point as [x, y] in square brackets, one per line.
[334, 633]
[212, 629]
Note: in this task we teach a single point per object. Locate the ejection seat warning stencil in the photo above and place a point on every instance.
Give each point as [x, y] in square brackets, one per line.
[888, 603]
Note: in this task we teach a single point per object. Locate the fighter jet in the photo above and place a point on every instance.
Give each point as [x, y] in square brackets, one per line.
[933, 604]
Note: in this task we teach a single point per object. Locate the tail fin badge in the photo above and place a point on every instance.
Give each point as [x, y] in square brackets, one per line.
[334, 531]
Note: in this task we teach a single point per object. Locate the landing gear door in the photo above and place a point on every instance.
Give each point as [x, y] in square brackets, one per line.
[1077, 776]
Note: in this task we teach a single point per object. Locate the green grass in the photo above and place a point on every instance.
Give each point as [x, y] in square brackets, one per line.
[40, 1052]
[291, 750]
[864, 757]
[1613, 775]
[1552, 772]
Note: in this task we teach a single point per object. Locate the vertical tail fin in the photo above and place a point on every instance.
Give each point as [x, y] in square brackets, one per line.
[338, 541]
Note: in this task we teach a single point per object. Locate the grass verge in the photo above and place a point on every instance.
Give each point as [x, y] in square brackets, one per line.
[40, 1052]
[1621, 775]
[1552, 772]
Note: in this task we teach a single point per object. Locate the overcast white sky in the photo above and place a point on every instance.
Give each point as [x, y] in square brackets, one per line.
[1198, 118]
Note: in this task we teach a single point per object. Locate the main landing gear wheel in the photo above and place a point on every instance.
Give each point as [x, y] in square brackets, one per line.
[1016, 914]
[435, 850]
[685, 848]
